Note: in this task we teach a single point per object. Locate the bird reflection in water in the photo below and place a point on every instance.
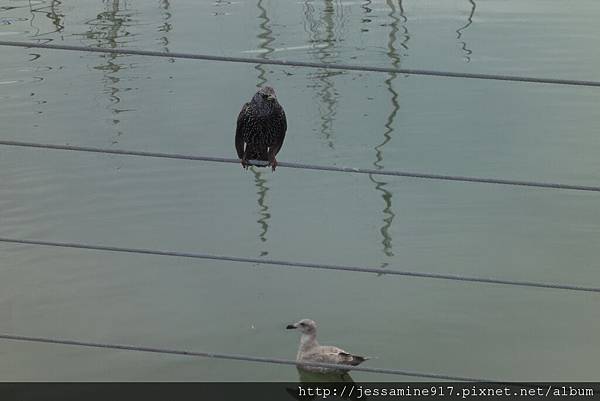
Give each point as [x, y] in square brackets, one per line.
[312, 379]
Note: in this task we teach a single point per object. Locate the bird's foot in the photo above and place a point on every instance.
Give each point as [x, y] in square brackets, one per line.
[273, 164]
[245, 163]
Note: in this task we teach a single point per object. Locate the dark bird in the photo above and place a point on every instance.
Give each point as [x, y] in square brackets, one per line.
[261, 127]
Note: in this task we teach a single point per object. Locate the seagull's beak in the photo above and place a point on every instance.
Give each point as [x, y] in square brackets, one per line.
[290, 326]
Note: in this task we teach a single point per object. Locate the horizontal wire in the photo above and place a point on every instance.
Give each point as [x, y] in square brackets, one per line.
[497, 77]
[287, 263]
[304, 166]
[238, 357]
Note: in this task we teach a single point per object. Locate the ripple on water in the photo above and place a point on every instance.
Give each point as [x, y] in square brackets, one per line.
[11, 21]
[22, 81]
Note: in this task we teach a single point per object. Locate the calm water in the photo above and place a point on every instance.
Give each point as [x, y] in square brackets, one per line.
[451, 126]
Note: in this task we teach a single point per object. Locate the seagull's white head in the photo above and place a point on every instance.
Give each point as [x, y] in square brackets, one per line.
[306, 326]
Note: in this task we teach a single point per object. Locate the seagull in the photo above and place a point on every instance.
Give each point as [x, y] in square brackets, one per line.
[311, 351]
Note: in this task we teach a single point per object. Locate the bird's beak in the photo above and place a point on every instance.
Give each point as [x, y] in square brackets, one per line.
[270, 97]
[290, 326]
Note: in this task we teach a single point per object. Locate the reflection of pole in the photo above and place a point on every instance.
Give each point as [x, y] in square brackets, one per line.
[265, 38]
[32, 20]
[388, 214]
[366, 19]
[167, 26]
[327, 94]
[107, 35]
[262, 190]
[57, 20]
[55, 17]
[460, 31]
[406, 35]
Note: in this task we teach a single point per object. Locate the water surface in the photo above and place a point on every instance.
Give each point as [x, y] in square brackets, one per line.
[370, 120]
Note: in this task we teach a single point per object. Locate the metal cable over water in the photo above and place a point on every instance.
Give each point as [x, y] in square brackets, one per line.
[305, 166]
[289, 263]
[236, 357]
[497, 77]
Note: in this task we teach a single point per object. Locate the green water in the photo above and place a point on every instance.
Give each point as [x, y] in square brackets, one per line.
[369, 120]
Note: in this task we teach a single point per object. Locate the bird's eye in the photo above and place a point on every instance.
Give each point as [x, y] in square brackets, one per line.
[302, 324]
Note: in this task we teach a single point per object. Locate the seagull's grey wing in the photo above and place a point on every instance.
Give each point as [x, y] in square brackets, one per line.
[331, 354]
[350, 359]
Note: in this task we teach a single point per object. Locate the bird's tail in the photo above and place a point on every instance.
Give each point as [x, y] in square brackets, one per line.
[357, 359]
[256, 153]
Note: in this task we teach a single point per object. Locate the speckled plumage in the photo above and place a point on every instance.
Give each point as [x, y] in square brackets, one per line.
[261, 127]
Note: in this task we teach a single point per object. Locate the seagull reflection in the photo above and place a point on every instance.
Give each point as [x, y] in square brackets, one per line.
[310, 378]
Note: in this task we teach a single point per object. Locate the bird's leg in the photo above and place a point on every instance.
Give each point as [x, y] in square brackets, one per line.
[245, 163]
[244, 160]
[272, 162]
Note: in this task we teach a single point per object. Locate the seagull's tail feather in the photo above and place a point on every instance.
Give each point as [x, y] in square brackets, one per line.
[359, 359]
[355, 359]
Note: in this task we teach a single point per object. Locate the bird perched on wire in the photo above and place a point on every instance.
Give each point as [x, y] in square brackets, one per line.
[311, 351]
[261, 127]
